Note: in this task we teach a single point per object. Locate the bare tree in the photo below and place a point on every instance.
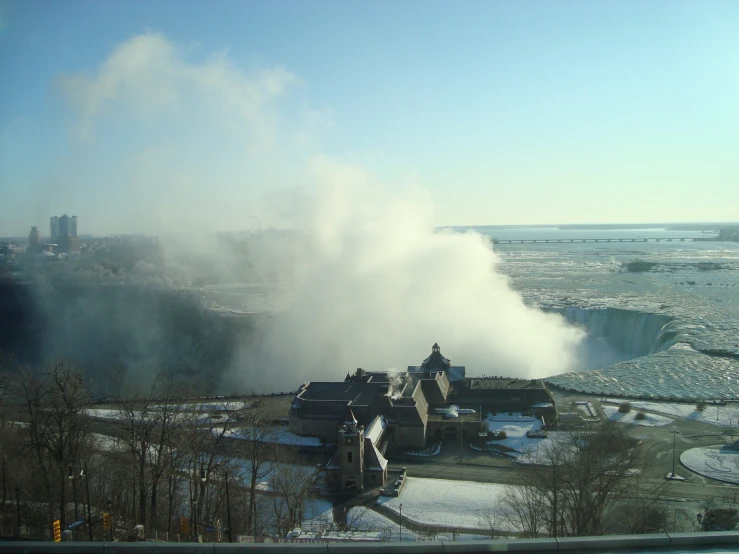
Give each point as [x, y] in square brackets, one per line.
[291, 486]
[490, 518]
[525, 509]
[584, 473]
[259, 439]
[59, 433]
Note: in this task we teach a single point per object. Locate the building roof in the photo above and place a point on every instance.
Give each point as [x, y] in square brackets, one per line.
[375, 429]
[375, 461]
[349, 418]
[357, 392]
[436, 362]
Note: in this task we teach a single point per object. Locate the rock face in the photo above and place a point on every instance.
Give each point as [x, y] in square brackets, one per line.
[139, 329]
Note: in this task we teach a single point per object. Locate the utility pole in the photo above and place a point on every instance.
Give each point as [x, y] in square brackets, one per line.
[400, 524]
[674, 435]
[18, 515]
[89, 515]
[228, 510]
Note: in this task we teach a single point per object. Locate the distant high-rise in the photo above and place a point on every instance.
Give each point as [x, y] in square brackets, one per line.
[34, 241]
[60, 226]
[54, 228]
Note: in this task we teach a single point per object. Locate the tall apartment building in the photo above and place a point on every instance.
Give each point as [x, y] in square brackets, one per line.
[60, 226]
[54, 228]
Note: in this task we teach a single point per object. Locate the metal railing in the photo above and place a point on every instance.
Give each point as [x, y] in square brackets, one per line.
[662, 542]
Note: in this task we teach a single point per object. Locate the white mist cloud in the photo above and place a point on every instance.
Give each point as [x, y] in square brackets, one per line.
[148, 74]
[168, 142]
[371, 283]
[381, 286]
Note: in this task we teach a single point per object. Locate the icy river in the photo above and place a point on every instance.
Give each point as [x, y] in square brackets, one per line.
[668, 330]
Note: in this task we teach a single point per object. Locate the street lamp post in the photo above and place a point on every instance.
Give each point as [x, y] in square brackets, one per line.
[228, 510]
[194, 531]
[70, 476]
[674, 436]
[87, 487]
[18, 513]
[400, 525]
[110, 514]
[203, 479]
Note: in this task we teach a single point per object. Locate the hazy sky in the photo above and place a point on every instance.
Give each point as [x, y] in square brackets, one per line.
[154, 116]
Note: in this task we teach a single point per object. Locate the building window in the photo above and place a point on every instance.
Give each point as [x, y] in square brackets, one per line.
[349, 457]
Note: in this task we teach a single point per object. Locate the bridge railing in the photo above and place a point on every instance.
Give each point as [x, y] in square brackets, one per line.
[662, 542]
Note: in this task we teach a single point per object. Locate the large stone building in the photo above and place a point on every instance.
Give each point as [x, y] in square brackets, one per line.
[371, 414]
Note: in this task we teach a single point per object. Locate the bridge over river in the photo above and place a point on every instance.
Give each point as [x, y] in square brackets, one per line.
[631, 239]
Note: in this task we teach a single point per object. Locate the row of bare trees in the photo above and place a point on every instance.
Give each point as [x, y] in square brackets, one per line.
[152, 455]
[585, 482]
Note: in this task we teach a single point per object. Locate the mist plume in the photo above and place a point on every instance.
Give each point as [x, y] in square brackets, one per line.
[381, 285]
[365, 279]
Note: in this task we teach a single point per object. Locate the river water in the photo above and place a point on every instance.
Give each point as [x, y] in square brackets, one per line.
[669, 332]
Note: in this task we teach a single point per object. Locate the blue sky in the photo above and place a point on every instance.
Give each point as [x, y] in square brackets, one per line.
[151, 115]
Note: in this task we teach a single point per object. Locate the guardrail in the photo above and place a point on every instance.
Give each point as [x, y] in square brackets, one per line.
[662, 542]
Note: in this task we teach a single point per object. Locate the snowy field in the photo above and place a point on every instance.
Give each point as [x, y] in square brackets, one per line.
[723, 416]
[278, 435]
[717, 462]
[361, 518]
[650, 420]
[516, 426]
[443, 502]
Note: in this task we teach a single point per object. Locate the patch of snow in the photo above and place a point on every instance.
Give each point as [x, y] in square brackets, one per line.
[318, 511]
[516, 426]
[722, 416]
[444, 502]
[375, 429]
[720, 463]
[650, 420]
[278, 435]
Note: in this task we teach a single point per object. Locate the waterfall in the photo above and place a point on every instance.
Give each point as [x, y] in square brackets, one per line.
[616, 335]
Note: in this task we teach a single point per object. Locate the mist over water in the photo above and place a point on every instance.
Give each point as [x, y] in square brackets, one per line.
[379, 286]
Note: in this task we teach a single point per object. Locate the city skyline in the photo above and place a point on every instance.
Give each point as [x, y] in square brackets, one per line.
[149, 116]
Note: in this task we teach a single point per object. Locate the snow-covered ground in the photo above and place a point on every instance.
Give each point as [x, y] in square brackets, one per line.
[650, 420]
[717, 462]
[365, 519]
[318, 512]
[723, 416]
[516, 426]
[105, 413]
[443, 502]
[278, 435]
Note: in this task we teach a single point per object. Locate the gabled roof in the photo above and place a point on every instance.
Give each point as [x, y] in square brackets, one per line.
[374, 461]
[349, 418]
[375, 429]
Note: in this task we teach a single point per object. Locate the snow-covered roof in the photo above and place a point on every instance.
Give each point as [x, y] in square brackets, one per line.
[375, 429]
[376, 462]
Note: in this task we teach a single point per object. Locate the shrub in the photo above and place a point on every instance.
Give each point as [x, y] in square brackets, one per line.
[624, 407]
[640, 416]
[700, 406]
[499, 436]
